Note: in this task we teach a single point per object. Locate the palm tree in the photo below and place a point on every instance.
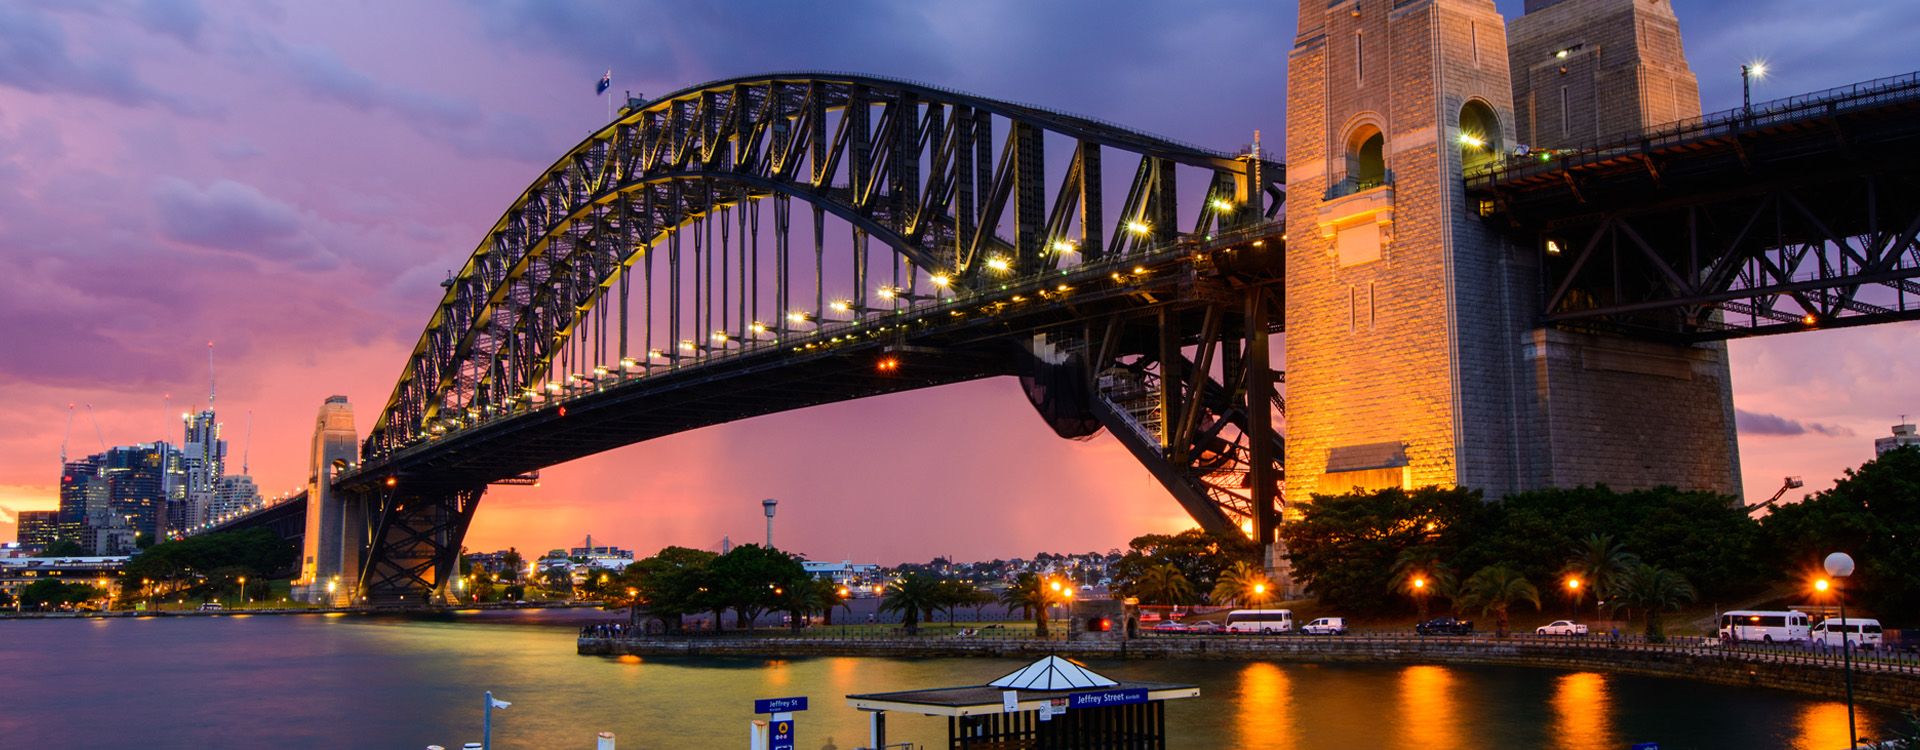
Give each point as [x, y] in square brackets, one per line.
[1241, 584]
[1495, 589]
[1418, 573]
[912, 594]
[956, 594]
[1029, 594]
[1652, 589]
[1600, 562]
[1164, 584]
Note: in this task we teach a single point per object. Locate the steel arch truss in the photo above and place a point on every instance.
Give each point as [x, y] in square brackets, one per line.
[1786, 257]
[414, 547]
[912, 166]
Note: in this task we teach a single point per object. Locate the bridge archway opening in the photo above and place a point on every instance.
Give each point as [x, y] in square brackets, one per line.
[1479, 139]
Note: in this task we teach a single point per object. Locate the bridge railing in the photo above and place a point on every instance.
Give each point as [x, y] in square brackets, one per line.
[830, 331]
[1766, 114]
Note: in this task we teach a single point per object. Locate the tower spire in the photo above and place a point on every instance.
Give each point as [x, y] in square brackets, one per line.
[210, 382]
[246, 449]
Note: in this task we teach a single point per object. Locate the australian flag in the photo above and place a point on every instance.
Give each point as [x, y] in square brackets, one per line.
[606, 82]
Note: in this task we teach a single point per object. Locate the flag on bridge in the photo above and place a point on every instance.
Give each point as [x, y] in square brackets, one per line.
[606, 82]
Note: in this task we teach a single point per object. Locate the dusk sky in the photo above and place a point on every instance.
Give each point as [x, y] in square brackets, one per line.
[292, 180]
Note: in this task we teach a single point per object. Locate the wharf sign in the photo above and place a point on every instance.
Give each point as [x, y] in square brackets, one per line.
[779, 705]
[1108, 698]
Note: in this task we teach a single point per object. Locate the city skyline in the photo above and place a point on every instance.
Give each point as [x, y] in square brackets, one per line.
[322, 253]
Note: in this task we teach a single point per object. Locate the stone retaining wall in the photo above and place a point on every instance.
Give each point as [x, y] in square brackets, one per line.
[1897, 687]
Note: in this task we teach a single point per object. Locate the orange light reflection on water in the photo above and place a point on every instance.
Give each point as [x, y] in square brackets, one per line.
[1823, 726]
[1583, 712]
[1265, 717]
[1429, 709]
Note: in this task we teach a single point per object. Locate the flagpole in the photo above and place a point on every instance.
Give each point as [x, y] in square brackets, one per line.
[486, 723]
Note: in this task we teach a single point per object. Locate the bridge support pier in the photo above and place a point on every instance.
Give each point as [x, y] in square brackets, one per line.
[414, 536]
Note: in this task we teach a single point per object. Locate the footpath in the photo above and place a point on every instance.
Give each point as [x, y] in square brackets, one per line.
[1891, 680]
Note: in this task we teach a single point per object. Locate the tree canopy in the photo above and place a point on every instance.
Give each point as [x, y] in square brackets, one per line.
[1873, 514]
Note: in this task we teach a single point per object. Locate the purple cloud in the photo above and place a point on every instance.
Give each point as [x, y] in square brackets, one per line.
[235, 216]
[1761, 423]
[35, 57]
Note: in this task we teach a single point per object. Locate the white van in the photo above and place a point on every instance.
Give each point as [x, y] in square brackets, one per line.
[1863, 633]
[1260, 621]
[1767, 626]
[1326, 626]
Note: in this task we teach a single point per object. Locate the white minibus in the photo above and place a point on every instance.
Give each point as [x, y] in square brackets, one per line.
[1260, 621]
[1863, 633]
[1767, 626]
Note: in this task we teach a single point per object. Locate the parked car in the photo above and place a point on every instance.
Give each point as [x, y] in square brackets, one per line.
[1170, 626]
[1206, 626]
[1326, 626]
[1444, 626]
[211, 607]
[1561, 627]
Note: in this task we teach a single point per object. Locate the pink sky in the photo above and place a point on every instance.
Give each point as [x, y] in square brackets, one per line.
[291, 181]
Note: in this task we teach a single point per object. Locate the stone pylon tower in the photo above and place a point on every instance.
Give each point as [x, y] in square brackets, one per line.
[1404, 312]
[1413, 356]
[1591, 70]
[336, 524]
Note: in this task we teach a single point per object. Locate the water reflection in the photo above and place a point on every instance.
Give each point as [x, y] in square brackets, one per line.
[1583, 712]
[1264, 716]
[1429, 711]
[1823, 726]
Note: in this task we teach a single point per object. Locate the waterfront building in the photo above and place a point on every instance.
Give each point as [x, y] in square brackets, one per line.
[18, 573]
[38, 528]
[1903, 436]
[843, 573]
[606, 557]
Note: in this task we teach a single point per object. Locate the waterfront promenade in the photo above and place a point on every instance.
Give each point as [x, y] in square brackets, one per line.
[1888, 679]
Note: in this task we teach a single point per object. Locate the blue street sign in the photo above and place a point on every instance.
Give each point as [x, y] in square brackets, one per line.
[1108, 698]
[782, 735]
[779, 705]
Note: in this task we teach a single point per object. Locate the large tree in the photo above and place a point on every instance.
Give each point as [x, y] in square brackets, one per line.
[1164, 584]
[1242, 585]
[1652, 590]
[1873, 514]
[1344, 546]
[1199, 556]
[1029, 594]
[671, 583]
[749, 579]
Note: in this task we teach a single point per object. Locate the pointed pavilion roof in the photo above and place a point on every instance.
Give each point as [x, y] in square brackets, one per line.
[1052, 673]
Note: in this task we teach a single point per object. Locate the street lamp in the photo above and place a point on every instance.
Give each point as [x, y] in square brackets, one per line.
[1573, 591]
[1840, 565]
[1749, 72]
[243, 589]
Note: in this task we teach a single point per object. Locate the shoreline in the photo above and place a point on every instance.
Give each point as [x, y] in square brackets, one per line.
[432, 612]
[1893, 684]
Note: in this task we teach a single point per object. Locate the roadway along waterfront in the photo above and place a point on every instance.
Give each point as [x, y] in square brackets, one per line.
[358, 681]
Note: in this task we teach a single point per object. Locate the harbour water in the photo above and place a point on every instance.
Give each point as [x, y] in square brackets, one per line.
[316, 681]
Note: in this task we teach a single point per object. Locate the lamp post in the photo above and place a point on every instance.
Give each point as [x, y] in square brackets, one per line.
[1749, 72]
[1840, 565]
[1573, 593]
[243, 589]
[1420, 597]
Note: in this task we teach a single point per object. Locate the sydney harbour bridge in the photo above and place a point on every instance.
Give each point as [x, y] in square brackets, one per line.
[1457, 306]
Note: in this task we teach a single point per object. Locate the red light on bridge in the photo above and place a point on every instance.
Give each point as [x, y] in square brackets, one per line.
[563, 411]
[888, 364]
[393, 481]
[1810, 319]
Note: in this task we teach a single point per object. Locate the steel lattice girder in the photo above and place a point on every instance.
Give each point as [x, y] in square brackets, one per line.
[414, 541]
[681, 157]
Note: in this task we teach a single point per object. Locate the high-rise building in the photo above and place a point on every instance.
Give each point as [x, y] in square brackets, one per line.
[137, 485]
[1903, 436]
[38, 529]
[204, 457]
[83, 492]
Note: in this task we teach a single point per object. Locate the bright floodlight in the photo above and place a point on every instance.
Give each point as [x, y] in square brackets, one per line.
[941, 280]
[998, 263]
[1757, 68]
[1138, 227]
[1472, 141]
[1222, 204]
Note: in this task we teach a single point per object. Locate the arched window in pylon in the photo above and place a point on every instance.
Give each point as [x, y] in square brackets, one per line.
[1479, 137]
[1367, 157]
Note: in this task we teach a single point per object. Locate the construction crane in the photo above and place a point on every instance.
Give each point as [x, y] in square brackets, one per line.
[97, 435]
[66, 437]
[1791, 483]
